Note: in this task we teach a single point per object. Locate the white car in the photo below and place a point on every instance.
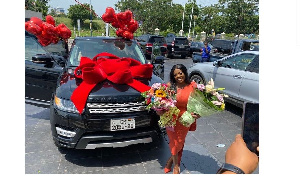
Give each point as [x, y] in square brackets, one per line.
[237, 73]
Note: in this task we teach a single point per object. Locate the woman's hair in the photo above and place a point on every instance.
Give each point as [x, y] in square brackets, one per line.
[183, 69]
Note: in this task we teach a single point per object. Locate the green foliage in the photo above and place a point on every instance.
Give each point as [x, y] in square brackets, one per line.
[97, 27]
[80, 12]
[229, 16]
[37, 6]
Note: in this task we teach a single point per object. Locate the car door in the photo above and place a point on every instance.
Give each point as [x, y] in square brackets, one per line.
[249, 90]
[230, 73]
[40, 79]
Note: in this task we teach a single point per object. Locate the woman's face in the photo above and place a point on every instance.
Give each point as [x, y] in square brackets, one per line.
[179, 76]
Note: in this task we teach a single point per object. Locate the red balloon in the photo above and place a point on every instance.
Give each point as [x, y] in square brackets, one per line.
[55, 40]
[128, 15]
[36, 21]
[120, 32]
[50, 19]
[49, 29]
[109, 15]
[64, 31]
[44, 41]
[33, 28]
[133, 25]
[127, 35]
[116, 23]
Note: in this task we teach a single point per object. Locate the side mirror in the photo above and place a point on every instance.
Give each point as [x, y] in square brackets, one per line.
[217, 63]
[41, 59]
[158, 60]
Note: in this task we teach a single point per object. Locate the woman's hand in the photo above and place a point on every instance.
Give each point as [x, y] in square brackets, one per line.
[196, 116]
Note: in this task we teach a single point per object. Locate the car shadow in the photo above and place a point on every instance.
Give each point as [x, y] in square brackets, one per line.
[115, 157]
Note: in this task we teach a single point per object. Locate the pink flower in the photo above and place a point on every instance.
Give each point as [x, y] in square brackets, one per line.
[201, 87]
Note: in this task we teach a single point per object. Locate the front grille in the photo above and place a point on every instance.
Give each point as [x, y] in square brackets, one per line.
[107, 108]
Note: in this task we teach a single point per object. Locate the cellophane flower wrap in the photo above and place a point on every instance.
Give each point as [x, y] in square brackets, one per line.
[204, 100]
[162, 98]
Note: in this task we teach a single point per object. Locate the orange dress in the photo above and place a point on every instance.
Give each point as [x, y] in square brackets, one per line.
[177, 136]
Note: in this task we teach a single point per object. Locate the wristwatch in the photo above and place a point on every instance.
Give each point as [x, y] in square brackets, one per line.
[229, 167]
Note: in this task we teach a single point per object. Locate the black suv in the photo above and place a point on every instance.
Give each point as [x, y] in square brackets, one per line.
[177, 46]
[146, 42]
[114, 114]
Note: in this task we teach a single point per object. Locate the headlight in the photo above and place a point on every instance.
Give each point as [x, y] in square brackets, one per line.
[64, 105]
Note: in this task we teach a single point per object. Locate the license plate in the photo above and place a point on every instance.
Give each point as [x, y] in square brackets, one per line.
[122, 124]
[181, 46]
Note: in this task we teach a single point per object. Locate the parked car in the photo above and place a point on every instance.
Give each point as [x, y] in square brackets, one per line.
[237, 73]
[41, 71]
[196, 51]
[245, 45]
[195, 47]
[177, 46]
[146, 43]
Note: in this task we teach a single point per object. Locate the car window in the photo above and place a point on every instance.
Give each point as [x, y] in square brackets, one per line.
[90, 48]
[239, 62]
[180, 41]
[57, 49]
[159, 40]
[254, 65]
[32, 48]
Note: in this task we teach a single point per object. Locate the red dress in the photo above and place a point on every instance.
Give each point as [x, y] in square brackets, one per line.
[177, 137]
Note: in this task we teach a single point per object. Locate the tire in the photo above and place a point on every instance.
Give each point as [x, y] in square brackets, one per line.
[197, 78]
[183, 56]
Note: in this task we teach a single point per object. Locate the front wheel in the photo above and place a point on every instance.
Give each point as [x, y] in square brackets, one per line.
[198, 79]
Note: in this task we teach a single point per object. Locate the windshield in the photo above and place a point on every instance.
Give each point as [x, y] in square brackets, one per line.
[32, 48]
[118, 47]
[181, 41]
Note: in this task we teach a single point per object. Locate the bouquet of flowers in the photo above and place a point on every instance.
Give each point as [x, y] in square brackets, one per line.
[204, 100]
[162, 99]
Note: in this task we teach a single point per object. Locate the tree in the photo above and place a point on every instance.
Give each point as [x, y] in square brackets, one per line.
[81, 12]
[241, 15]
[37, 6]
[149, 13]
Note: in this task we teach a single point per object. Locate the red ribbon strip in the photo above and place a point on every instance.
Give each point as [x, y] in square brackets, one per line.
[108, 66]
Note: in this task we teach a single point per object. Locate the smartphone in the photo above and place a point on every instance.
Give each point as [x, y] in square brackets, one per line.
[250, 127]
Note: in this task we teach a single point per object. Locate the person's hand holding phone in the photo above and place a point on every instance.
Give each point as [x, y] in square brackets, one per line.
[239, 155]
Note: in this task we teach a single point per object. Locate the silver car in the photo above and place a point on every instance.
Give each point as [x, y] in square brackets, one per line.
[237, 73]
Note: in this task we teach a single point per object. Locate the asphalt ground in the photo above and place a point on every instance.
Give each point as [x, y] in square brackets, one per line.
[203, 153]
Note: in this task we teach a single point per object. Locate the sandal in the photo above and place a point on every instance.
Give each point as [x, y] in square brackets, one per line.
[168, 166]
[176, 170]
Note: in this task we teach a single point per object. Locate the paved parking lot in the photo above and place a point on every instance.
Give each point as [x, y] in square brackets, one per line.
[201, 153]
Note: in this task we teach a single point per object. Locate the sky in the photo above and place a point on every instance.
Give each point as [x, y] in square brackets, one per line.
[100, 5]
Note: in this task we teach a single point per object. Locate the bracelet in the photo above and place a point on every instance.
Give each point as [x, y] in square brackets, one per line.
[229, 167]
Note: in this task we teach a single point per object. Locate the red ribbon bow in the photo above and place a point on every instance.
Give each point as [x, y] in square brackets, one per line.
[115, 69]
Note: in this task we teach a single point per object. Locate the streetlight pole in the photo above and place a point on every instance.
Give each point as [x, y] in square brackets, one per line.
[91, 17]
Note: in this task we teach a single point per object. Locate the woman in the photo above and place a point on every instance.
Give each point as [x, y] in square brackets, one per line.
[179, 82]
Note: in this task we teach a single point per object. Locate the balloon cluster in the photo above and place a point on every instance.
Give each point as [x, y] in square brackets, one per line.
[47, 32]
[123, 21]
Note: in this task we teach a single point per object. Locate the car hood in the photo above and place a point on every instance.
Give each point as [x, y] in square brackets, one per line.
[68, 83]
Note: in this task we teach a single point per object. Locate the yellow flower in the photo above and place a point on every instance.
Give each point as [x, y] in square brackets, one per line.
[160, 93]
[208, 88]
[222, 106]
